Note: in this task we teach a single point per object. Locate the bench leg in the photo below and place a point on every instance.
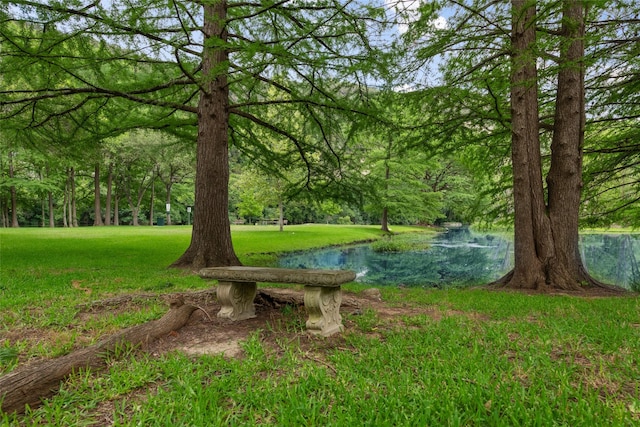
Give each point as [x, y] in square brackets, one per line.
[323, 307]
[236, 299]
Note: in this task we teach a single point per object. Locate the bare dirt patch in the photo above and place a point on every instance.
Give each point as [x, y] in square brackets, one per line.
[279, 315]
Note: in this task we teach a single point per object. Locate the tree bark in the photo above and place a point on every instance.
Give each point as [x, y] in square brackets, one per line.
[14, 194]
[151, 202]
[531, 228]
[564, 180]
[42, 379]
[211, 243]
[97, 208]
[73, 210]
[384, 221]
[546, 234]
[52, 217]
[107, 203]
[116, 208]
[65, 202]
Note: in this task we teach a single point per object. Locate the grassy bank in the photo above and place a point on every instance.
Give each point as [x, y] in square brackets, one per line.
[457, 357]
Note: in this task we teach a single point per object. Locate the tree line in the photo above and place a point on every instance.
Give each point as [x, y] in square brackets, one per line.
[131, 179]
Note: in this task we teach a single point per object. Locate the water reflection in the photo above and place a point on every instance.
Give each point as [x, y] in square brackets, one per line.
[466, 258]
[613, 258]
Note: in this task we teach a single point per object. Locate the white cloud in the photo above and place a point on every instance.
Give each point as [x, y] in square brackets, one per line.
[440, 23]
[408, 11]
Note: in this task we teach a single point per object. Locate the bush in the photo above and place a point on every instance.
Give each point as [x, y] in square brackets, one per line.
[345, 220]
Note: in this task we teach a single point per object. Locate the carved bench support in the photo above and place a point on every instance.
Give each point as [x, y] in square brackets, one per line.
[322, 295]
[323, 306]
[236, 299]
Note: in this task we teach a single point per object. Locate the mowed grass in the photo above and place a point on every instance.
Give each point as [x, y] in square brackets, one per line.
[40, 265]
[447, 357]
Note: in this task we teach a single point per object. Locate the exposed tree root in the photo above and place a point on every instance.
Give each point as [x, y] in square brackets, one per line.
[28, 386]
[586, 286]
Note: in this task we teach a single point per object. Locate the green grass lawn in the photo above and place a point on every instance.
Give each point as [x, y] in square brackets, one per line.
[450, 357]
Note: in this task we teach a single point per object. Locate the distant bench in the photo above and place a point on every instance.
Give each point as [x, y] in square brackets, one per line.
[322, 295]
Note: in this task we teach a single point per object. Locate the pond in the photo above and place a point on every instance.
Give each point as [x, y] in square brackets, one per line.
[462, 257]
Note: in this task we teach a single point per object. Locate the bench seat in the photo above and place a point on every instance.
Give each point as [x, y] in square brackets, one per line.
[322, 295]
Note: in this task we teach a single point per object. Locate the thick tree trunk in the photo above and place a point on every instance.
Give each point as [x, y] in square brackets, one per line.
[211, 236]
[40, 380]
[97, 208]
[564, 180]
[546, 235]
[531, 241]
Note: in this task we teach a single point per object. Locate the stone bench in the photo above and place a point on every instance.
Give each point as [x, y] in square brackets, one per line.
[322, 296]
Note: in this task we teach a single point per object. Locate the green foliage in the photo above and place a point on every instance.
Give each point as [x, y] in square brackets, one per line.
[470, 102]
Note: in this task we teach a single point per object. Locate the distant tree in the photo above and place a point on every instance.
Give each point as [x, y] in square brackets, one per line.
[175, 166]
[394, 162]
[399, 189]
[135, 155]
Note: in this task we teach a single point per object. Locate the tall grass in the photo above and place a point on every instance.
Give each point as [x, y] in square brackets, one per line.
[448, 357]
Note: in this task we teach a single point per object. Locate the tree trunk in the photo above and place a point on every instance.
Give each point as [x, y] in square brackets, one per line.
[43, 211]
[39, 380]
[73, 210]
[564, 180]
[14, 194]
[531, 228]
[211, 243]
[116, 209]
[97, 208]
[281, 213]
[65, 202]
[151, 202]
[134, 216]
[546, 235]
[384, 221]
[5, 214]
[107, 203]
[68, 218]
[52, 217]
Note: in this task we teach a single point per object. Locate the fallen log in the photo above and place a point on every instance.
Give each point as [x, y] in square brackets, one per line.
[39, 380]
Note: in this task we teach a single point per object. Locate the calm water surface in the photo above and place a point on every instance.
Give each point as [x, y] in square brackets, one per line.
[466, 258]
